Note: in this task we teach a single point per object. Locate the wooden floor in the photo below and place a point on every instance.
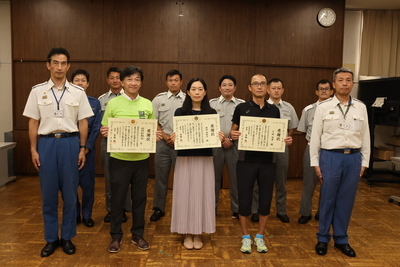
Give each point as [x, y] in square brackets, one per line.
[374, 234]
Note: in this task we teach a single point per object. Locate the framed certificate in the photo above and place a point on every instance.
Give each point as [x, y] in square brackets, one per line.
[262, 134]
[196, 131]
[131, 135]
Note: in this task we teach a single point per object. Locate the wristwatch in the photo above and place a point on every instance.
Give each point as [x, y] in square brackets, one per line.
[230, 139]
[82, 147]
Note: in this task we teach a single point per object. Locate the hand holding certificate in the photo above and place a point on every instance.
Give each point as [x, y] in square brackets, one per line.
[196, 131]
[262, 134]
[131, 135]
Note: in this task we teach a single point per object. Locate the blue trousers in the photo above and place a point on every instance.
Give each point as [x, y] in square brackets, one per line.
[340, 173]
[86, 182]
[58, 172]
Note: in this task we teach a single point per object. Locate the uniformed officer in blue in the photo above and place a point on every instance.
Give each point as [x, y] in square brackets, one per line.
[87, 173]
[58, 129]
[339, 152]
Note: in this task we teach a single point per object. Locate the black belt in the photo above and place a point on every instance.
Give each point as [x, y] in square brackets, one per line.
[345, 150]
[61, 135]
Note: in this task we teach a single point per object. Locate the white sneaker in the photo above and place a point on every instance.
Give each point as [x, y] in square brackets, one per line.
[246, 245]
[261, 247]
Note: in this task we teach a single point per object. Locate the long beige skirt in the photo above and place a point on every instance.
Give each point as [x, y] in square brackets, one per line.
[193, 198]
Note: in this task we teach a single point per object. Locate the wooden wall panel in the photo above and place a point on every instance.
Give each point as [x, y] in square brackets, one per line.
[217, 31]
[40, 25]
[141, 30]
[212, 38]
[287, 33]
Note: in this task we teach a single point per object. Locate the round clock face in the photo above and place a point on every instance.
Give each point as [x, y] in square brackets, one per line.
[326, 17]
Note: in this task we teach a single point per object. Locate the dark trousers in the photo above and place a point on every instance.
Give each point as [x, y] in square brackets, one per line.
[247, 174]
[123, 173]
[58, 172]
[86, 182]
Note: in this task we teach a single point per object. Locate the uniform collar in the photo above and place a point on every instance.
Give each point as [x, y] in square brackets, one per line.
[336, 101]
[180, 94]
[222, 99]
[110, 92]
[272, 102]
[51, 84]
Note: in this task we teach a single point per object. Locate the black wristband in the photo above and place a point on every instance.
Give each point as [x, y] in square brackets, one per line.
[83, 147]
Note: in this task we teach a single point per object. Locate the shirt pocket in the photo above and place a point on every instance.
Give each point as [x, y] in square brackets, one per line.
[46, 108]
[331, 123]
[163, 115]
[358, 123]
[71, 109]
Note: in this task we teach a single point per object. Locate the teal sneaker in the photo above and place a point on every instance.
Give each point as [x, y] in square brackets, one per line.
[260, 244]
[246, 245]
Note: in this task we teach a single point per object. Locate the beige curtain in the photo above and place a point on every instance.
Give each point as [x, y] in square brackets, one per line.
[380, 45]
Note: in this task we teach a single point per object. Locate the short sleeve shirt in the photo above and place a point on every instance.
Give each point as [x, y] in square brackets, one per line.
[58, 110]
[287, 112]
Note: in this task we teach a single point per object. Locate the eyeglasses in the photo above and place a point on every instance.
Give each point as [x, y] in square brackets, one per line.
[256, 84]
[324, 89]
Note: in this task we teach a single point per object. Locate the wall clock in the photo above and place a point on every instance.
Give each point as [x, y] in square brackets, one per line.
[326, 17]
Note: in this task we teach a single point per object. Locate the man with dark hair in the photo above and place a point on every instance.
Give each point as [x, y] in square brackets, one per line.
[287, 111]
[228, 153]
[58, 129]
[323, 91]
[87, 173]
[128, 168]
[339, 152]
[255, 166]
[113, 80]
[164, 105]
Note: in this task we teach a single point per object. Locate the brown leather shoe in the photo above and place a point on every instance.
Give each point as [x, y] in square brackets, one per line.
[115, 244]
[140, 242]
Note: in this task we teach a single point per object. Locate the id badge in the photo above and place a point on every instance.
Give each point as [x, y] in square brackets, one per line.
[59, 113]
[344, 125]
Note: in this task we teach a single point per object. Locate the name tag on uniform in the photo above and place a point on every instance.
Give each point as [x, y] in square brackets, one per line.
[344, 125]
[59, 113]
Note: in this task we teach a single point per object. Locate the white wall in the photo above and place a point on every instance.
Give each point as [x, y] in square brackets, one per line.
[352, 44]
[5, 70]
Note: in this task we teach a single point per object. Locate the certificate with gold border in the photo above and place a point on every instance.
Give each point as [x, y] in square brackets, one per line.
[262, 134]
[131, 135]
[196, 131]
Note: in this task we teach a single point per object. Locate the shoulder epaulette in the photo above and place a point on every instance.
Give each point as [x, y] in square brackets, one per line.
[358, 100]
[40, 84]
[214, 99]
[77, 87]
[103, 95]
[325, 101]
[161, 94]
[240, 100]
[308, 107]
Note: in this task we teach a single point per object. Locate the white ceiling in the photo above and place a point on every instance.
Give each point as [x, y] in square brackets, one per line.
[373, 4]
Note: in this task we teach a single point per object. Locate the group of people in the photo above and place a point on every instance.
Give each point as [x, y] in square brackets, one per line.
[64, 124]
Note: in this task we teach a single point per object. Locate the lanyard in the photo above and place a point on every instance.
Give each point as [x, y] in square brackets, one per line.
[347, 110]
[59, 100]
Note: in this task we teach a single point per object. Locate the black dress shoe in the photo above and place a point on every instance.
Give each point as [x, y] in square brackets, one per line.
[88, 222]
[68, 247]
[346, 249]
[157, 214]
[50, 248]
[283, 218]
[235, 215]
[107, 218]
[304, 219]
[317, 216]
[78, 219]
[321, 248]
[255, 217]
[124, 218]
